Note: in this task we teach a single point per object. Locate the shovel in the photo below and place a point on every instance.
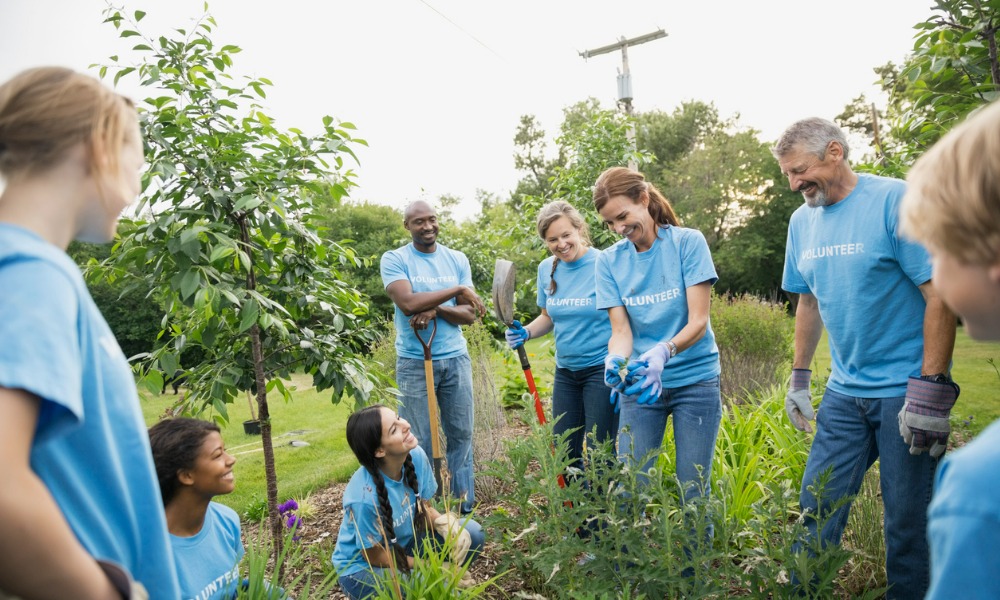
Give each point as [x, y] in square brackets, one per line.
[503, 304]
[432, 406]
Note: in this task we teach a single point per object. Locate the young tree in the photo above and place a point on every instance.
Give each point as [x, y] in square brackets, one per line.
[224, 235]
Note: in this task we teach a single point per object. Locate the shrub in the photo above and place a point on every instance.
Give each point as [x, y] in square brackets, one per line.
[755, 339]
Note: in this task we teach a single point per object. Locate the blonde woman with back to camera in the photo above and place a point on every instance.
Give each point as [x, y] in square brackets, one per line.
[80, 511]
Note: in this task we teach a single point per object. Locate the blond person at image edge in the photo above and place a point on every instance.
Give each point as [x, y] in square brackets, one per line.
[567, 296]
[952, 206]
[656, 285]
[79, 504]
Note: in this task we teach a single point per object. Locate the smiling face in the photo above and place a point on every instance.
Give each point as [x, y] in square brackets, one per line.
[811, 175]
[421, 222]
[631, 220]
[564, 241]
[212, 473]
[397, 439]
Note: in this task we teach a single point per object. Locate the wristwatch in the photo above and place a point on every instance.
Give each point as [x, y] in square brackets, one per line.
[672, 347]
[937, 378]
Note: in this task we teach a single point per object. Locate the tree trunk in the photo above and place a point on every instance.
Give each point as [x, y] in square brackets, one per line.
[270, 474]
[263, 414]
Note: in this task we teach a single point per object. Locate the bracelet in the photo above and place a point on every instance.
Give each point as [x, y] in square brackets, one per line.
[672, 347]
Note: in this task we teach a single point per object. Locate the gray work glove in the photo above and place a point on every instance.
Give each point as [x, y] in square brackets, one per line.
[798, 400]
[923, 421]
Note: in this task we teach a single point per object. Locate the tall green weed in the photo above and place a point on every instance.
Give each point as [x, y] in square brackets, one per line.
[613, 532]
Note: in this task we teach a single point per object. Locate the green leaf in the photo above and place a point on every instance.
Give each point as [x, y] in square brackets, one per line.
[220, 252]
[128, 33]
[248, 315]
[139, 15]
[169, 363]
[190, 282]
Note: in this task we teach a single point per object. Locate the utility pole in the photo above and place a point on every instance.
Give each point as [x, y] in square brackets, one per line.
[625, 76]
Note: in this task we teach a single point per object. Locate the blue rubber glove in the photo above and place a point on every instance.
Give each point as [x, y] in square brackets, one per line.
[644, 374]
[923, 421]
[613, 365]
[616, 400]
[516, 335]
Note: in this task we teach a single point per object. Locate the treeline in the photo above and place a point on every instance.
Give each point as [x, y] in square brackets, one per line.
[719, 175]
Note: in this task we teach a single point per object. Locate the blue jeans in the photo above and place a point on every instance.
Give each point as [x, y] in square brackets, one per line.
[580, 401]
[364, 583]
[453, 385]
[851, 433]
[697, 411]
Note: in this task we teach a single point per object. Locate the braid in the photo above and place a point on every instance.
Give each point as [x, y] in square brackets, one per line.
[552, 275]
[410, 477]
[385, 512]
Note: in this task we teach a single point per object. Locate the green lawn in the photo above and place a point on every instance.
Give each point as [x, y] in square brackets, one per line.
[310, 418]
[979, 402]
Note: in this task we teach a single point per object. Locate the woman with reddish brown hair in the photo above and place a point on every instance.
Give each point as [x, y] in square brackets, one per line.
[656, 285]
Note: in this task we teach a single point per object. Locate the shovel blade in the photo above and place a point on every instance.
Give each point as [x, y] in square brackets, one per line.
[503, 291]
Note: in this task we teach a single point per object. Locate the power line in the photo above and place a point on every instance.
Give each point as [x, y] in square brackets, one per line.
[462, 29]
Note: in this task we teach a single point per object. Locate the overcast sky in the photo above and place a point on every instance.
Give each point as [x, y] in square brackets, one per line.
[437, 87]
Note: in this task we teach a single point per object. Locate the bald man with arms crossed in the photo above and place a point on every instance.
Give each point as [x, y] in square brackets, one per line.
[428, 281]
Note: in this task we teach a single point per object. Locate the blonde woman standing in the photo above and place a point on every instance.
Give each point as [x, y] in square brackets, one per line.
[567, 297]
[80, 511]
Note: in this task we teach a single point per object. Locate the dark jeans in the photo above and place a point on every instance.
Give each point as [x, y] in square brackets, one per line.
[581, 401]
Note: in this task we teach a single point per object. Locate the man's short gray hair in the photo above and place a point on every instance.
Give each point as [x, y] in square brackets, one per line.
[813, 135]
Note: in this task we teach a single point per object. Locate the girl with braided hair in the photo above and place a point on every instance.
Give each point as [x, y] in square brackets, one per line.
[567, 296]
[386, 514]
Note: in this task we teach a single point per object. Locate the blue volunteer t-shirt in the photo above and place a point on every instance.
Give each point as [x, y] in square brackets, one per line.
[361, 527]
[91, 448]
[441, 269]
[652, 286]
[964, 521]
[581, 331]
[864, 276]
[208, 562]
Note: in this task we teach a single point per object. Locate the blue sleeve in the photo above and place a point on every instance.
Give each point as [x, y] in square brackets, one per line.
[913, 258]
[791, 279]
[39, 332]
[696, 260]
[608, 295]
[392, 268]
